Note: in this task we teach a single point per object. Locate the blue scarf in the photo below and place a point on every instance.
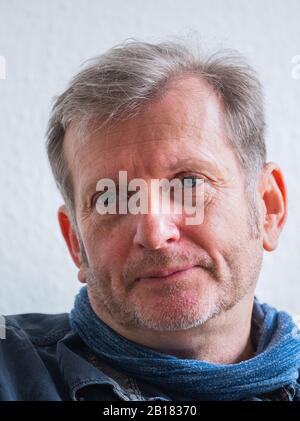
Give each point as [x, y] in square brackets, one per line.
[275, 364]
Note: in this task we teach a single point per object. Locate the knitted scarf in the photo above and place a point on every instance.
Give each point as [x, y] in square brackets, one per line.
[275, 364]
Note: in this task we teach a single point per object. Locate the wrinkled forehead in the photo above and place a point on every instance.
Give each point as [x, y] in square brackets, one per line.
[188, 111]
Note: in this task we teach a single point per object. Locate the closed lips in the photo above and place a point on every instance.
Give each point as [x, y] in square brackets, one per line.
[164, 273]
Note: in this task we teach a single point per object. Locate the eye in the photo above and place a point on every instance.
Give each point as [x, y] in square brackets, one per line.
[105, 196]
[108, 197]
[191, 181]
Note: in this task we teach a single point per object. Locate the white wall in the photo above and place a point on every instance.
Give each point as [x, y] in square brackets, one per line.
[44, 42]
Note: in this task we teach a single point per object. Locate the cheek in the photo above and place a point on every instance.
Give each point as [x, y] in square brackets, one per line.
[229, 210]
[107, 248]
[225, 223]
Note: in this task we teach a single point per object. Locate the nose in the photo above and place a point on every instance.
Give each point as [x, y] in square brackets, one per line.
[155, 231]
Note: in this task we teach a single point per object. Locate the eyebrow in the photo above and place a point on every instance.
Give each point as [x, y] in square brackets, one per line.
[195, 162]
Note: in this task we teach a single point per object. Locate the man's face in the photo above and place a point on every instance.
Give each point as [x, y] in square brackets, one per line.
[181, 135]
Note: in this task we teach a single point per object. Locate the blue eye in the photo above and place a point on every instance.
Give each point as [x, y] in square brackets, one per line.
[104, 197]
[107, 198]
[191, 181]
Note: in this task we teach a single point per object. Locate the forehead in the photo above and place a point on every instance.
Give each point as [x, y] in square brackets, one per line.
[187, 120]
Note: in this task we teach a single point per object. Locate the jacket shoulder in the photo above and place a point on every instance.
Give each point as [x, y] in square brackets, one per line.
[39, 328]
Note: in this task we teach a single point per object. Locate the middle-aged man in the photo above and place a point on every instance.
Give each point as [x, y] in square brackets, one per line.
[168, 311]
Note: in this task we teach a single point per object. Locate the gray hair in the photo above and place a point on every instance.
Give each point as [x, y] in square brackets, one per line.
[118, 84]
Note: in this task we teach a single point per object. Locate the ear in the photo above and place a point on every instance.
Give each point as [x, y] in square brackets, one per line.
[71, 239]
[274, 196]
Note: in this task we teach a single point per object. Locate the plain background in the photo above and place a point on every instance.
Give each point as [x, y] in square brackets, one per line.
[44, 42]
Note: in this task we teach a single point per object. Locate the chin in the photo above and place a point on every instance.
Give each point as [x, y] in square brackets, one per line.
[183, 313]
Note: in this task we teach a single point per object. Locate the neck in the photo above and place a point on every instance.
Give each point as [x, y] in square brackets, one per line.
[224, 339]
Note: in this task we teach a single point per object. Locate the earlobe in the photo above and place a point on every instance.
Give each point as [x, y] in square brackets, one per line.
[271, 234]
[69, 235]
[274, 196]
[81, 275]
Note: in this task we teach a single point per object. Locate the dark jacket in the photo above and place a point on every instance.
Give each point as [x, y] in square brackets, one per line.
[41, 358]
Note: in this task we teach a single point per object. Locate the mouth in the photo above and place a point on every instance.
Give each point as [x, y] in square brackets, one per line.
[167, 274]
